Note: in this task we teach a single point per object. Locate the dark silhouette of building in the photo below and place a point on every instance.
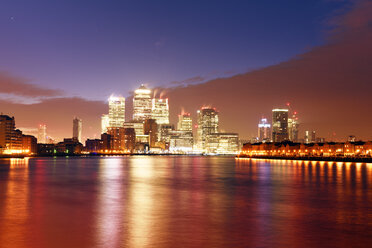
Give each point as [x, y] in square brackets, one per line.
[151, 129]
[130, 139]
[93, 145]
[106, 141]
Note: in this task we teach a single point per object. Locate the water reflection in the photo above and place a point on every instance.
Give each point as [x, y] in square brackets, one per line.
[184, 201]
[14, 207]
[314, 201]
[111, 199]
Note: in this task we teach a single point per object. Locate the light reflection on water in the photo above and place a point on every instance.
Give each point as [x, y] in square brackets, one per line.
[184, 201]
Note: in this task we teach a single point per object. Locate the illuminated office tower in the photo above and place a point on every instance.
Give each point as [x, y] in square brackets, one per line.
[76, 128]
[116, 111]
[42, 136]
[280, 125]
[142, 104]
[293, 126]
[207, 125]
[105, 123]
[184, 122]
[264, 130]
[160, 111]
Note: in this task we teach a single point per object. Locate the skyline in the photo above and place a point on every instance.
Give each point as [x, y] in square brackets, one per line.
[328, 84]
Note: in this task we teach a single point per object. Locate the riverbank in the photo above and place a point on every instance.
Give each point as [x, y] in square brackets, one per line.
[110, 155]
[313, 158]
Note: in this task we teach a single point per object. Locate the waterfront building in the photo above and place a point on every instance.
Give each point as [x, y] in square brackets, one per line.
[106, 141]
[223, 143]
[181, 141]
[17, 141]
[42, 134]
[105, 123]
[44, 149]
[93, 145]
[280, 125]
[116, 111]
[7, 127]
[11, 139]
[117, 142]
[184, 122]
[328, 149]
[160, 110]
[142, 104]
[29, 144]
[264, 130]
[138, 128]
[69, 147]
[207, 124]
[77, 128]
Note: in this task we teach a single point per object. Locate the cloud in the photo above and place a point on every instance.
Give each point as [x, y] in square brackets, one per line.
[196, 79]
[330, 85]
[21, 87]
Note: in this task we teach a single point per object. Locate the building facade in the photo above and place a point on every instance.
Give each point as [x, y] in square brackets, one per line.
[142, 104]
[280, 125]
[105, 123]
[7, 127]
[223, 143]
[160, 110]
[184, 122]
[116, 111]
[293, 127]
[29, 144]
[207, 124]
[77, 125]
[264, 130]
[42, 134]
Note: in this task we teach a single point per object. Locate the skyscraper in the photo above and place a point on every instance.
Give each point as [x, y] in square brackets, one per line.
[207, 125]
[160, 110]
[293, 126]
[76, 128]
[42, 136]
[264, 130]
[105, 123]
[142, 104]
[184, 122]
[116, 111]
[280, 125]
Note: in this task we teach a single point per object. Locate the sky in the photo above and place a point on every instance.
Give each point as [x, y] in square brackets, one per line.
[64, 58]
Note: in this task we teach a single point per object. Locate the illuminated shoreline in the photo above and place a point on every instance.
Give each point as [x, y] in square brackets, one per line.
[312, 158]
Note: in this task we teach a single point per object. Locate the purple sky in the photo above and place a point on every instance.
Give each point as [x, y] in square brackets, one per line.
[60, 59]
[94, 48]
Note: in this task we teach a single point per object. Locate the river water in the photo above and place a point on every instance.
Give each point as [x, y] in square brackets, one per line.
[176, 201]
